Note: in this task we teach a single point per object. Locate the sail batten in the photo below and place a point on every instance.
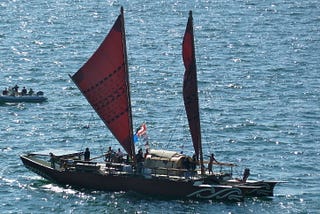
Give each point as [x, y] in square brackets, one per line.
[104, 81]
[190, 89]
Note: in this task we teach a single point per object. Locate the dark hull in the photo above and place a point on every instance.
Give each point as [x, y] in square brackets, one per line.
[261, 188]
[250, 188]
[149, 185]
[20, 99]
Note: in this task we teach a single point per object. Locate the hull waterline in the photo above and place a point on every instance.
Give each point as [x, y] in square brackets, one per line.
[120, 181]
[259, 188]
[20, 99]
[250, 188]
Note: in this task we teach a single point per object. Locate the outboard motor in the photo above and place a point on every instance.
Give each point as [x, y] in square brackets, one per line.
[39, 93]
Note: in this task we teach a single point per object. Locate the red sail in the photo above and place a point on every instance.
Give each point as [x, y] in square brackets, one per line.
[190, 87]
[104, 81]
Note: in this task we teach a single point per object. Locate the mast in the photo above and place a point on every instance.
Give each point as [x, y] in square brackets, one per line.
[190, 89]
[128, 85]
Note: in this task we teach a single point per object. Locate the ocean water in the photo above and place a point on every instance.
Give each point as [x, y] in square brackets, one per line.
[259, 83]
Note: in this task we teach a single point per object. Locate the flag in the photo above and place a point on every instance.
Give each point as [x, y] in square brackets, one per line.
[141, 133]
[142, 130]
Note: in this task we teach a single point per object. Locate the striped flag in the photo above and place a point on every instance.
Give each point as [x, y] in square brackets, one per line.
[142, 130]
[141, 133]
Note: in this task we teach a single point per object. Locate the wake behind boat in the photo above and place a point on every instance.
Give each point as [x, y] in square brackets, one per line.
[104, 81]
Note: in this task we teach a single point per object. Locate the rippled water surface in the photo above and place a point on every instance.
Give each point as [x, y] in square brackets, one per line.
[259, 82]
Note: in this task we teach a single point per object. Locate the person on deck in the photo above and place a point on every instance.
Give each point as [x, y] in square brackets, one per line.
[87, 155]
[246, 174]
[109, 155]
[16, 88]
[52, 160]
[186, 165]
[119, 156]
[30, 92]
[140, 160]
[194, 163]
[211, 160]
[24, 91]
[140, 156]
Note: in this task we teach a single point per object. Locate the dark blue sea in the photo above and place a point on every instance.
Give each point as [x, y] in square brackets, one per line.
[259, 84]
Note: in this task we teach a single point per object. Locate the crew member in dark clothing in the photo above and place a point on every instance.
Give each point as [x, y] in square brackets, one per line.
[30, 92]
[87, 155]
[109, 155]
[24, 91]
[140, 160]
[246, 174]
[187, 165]
[15, 88]
[194, 162]
[212, 159]
[52, 160]
[140, 156]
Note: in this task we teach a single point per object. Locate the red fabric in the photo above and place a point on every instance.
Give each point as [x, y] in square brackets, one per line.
[190, 87]
[103, 81]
